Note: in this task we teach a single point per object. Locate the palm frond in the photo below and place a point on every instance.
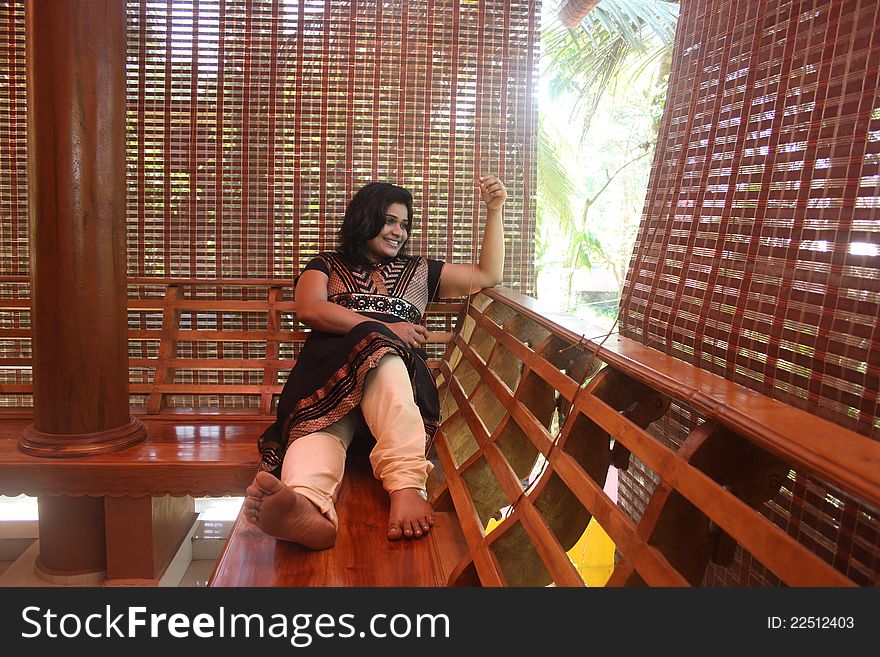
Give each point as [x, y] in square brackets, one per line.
[555, 187]
[616, 40]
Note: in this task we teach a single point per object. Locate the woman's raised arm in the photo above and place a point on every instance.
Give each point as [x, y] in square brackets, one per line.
[456, 279]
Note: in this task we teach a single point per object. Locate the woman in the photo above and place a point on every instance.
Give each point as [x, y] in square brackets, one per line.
[364, 362]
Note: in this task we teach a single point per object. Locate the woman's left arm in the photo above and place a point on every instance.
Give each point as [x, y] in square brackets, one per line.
[459, 280]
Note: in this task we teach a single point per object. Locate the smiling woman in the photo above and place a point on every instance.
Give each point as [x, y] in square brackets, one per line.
[393, 234]
[362, 370]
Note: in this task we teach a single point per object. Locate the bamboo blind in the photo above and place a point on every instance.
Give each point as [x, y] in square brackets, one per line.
[252, 123]
[14, 255]
[758, 257]
[13, 144]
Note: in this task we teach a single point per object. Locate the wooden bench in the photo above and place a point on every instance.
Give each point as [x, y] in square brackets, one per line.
[522, 386]
[539, 410]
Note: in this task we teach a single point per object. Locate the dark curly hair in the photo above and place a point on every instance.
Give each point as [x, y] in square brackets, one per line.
[365, 217]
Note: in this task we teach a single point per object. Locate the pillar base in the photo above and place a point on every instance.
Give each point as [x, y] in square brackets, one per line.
[38, 443]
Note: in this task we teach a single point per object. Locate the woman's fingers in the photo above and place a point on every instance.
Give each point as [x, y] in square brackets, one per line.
[492, 189]
[414, 335]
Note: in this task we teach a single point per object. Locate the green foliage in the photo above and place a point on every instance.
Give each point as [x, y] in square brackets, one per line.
[556, 189]
[584, 248]
[610, 73]
[613, 44]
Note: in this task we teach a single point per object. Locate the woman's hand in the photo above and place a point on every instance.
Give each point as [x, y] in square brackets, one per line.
[413, 335]
[493, 191]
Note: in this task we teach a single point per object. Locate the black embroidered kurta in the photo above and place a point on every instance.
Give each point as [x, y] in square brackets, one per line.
[326, 383]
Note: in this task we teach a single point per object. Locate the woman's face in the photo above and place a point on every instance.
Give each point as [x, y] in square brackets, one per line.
[392, 236]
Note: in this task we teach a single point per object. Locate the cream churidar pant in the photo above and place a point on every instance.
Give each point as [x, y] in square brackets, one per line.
[314, 464]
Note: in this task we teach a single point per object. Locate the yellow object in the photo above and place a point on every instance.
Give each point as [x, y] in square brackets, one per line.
[592, 555]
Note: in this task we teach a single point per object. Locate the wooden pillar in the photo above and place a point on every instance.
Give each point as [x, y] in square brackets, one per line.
[572, 12]
[76, 57]
[144, 535]
[72, 539]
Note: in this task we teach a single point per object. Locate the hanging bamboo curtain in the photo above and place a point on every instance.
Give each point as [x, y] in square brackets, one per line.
[759, 253]
[758, 256]
[13, 146]
[252, 123]
[14, 253]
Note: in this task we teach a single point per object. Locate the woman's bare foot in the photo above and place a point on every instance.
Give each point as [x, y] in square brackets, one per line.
[411, 516]
[283, 513]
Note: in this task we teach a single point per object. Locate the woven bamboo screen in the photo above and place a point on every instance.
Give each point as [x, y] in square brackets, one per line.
[758, 257]
[13, 144]
[15, 343]
[252, 123]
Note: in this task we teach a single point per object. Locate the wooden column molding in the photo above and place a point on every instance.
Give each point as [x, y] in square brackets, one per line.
[76, 183]
[39, 443]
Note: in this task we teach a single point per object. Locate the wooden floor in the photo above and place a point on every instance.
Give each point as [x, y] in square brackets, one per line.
[362, 556]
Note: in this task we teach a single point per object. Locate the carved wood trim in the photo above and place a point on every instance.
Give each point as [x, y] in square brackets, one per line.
[39, 443]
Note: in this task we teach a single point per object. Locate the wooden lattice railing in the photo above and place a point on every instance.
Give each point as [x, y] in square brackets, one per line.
[523, 388]
[194, 344]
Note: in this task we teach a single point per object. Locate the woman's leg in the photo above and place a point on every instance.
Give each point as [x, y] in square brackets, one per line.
[314, 464]
[301, 506]
[398, 459]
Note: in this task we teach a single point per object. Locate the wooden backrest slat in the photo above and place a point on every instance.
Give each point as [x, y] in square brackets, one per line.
[273, 353]
[485, 564]
[488, 397]
[164, 373]
[651, 564]
[211, 363]
[772, 546]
